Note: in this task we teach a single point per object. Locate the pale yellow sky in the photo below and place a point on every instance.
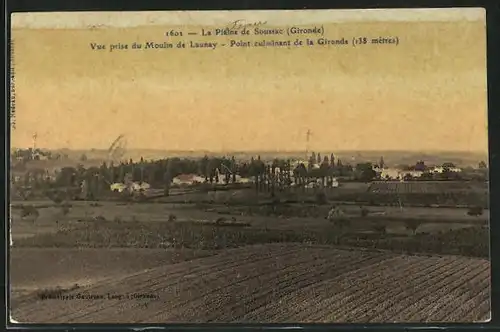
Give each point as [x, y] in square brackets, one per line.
[426, 93]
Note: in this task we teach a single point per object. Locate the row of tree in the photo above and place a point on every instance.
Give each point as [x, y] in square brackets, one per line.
[279, 174]
[447, 166]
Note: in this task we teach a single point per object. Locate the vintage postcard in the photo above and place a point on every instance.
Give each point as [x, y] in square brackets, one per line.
[319, 166]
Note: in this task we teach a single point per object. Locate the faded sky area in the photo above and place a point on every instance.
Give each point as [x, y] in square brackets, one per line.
[427, 93]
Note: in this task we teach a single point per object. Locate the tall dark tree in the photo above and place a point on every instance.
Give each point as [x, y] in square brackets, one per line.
[381, 163]
[203, 167]
[167, 178]
[121, 173]
[265, 177]
[257, 169]
[288, 172]
[281, 174]
[252, 171]
[318, 158]
[300, 174]
[311, 162]
[272, 170]
[365, 171]
[217, 173]
[211, 169]
[420, 166]
[324, 167]
[66, 177]
[233, 169]
[142, 167]
[103, 178]
[92, 180]
[112, 173]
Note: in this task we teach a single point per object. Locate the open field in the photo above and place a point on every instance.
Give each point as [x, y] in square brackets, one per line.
[424, 187]
[279, 283]
[152, 211]
[295, 217]
[446, 194]
[237, 256]
[146, 225]
[84, 266]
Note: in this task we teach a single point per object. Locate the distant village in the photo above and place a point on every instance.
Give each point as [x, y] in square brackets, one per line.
[32, 168]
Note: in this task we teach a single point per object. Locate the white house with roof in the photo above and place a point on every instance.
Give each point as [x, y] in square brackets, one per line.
[187, 179]
[132, 186]
[396, 174]
[440, 169]
[118, 187]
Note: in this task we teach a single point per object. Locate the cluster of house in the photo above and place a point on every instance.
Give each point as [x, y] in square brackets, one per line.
[180, 180]
[384, 173]
[192, 179]
[398, 174]
[131, 187]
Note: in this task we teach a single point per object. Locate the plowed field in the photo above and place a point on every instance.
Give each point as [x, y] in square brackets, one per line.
[280, 283]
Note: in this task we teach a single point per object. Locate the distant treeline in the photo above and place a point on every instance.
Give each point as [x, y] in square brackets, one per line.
[280, 174]
[160, 173]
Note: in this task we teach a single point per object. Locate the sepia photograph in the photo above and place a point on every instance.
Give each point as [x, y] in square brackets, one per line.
[278, 166]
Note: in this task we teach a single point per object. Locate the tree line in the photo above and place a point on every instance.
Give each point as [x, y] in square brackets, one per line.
[270, 176]
[277, 174]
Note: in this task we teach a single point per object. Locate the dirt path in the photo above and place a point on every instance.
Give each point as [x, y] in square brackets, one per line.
[276, 283]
